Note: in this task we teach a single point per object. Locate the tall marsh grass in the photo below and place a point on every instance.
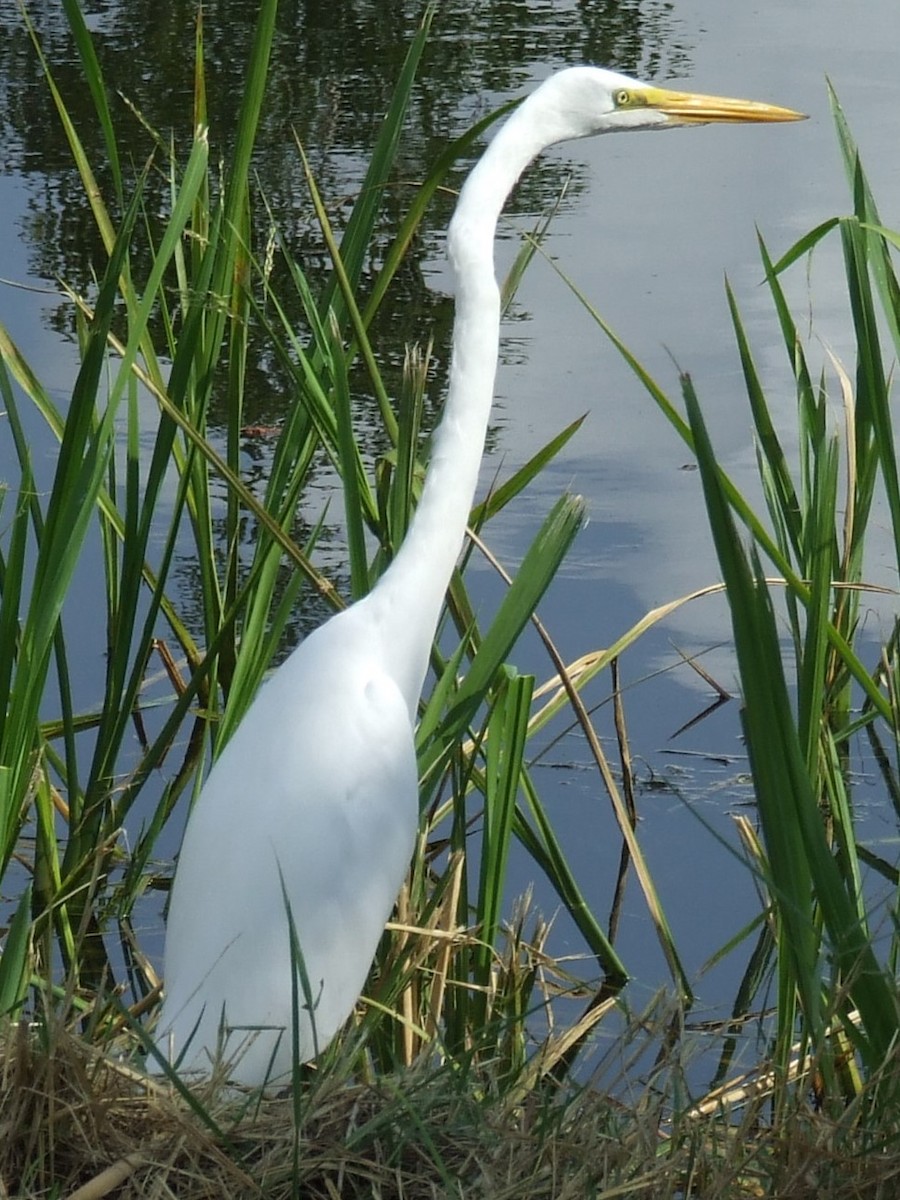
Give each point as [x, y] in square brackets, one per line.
[454, 974]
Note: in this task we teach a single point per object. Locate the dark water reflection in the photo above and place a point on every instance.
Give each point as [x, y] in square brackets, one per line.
[333, 71]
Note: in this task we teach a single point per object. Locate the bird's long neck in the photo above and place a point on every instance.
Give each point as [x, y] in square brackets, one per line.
[409, 596]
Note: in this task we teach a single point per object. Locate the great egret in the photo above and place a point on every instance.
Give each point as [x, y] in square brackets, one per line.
[312, 805]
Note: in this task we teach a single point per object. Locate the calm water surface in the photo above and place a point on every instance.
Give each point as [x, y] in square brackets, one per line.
[648, 228]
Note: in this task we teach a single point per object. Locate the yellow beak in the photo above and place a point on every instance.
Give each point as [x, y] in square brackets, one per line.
[689, 108]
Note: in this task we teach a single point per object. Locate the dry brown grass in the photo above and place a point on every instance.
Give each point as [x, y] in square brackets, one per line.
[75, 1124]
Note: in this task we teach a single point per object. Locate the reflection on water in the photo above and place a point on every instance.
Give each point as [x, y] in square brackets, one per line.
[332, 74]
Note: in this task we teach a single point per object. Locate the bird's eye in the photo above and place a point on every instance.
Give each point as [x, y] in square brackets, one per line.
[623, 98]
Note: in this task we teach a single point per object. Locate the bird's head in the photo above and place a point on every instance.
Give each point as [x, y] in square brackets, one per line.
[583, 101]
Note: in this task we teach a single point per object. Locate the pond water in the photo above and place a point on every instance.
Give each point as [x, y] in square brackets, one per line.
[647, 230]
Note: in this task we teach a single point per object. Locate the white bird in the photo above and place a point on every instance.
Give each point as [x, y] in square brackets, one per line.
[313, 803]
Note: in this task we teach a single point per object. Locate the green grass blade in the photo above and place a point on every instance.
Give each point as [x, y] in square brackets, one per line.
[405, 480]
[534, 829]
[357, 239]
[873, 391]
[351, 473]
[787, 504]
[94, 77]
[12, 585]
[506, 740]
[498, 498]
[812, 701]
[537, 571]
[424, 194]
[802, 247]
[15, 968]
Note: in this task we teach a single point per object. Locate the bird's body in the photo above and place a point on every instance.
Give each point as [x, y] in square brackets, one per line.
[312, 805]
[320, 827]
